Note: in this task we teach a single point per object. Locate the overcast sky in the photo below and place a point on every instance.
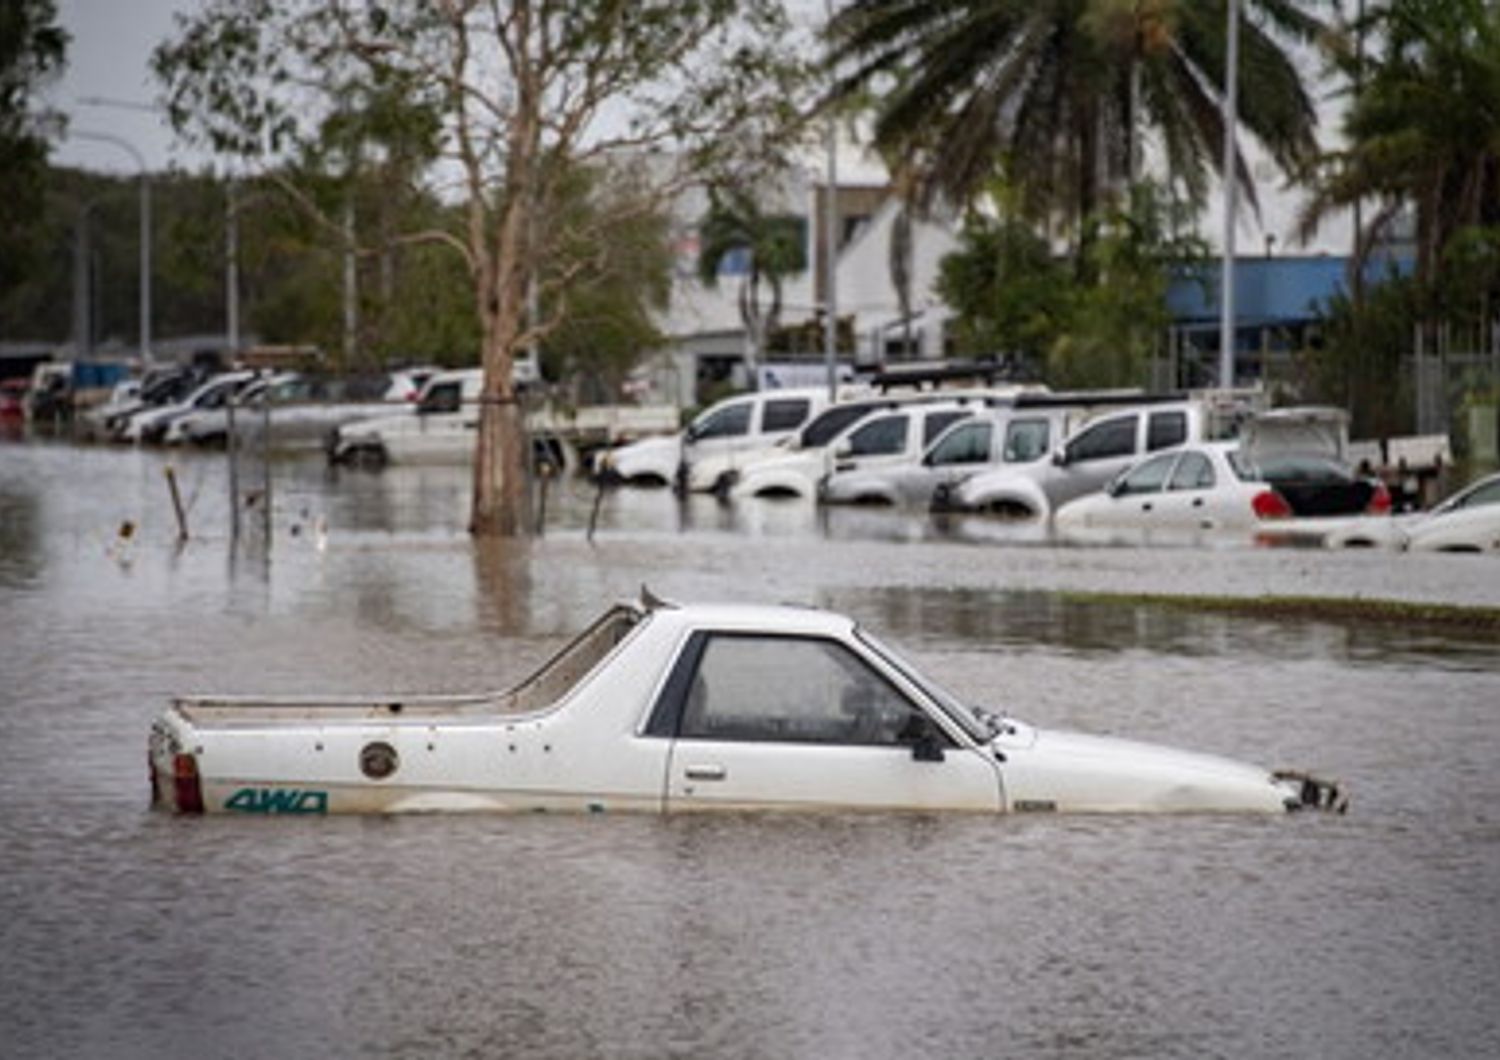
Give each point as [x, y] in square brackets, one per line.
[110, 53]
[109, 57]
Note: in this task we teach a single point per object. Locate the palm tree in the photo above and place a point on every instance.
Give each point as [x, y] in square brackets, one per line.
[773, 247]
[1056, 93]
[1424, 127]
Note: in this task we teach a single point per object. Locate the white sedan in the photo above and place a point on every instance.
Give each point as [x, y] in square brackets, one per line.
[667, 709]
[1213, 486]
[1468, 521]
[1200, 487]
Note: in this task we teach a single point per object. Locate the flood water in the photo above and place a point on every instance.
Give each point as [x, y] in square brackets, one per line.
[130, 933]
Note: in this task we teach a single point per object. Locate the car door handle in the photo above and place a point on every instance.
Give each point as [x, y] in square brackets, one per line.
[706, 772]
[1197, 502]
[1146, 507]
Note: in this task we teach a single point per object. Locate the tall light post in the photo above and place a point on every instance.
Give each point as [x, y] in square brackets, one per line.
[1231, 195]
[830, 251]
[145, 240]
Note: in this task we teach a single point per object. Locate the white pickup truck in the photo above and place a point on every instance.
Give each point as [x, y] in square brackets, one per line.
[442, 426]
[664, 709]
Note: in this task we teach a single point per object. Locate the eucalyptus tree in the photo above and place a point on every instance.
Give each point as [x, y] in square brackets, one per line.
[1057, 94]
[773, 246]
[648, 93]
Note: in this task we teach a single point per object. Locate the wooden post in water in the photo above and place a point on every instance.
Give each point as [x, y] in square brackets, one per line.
[182, 527]
[265, 457]
[603, 472]
[232, 448]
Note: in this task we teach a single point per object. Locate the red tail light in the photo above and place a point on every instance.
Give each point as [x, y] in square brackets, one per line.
[185, 784]
[1380, 500]
[1268, 504]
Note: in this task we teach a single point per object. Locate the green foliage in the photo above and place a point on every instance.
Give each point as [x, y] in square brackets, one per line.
[1358, 360]
[607, 319]
[32, 51]
[1009, 293]
[773, 245]
[1057, 91]
[1361, 359]
[1094, 325]
[1423, 130]
[1118, 312]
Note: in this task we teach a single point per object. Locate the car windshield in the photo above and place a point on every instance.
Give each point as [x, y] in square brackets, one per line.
[970, 718]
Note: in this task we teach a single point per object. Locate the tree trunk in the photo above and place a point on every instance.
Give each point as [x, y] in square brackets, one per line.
[503, 279]
[500, 494]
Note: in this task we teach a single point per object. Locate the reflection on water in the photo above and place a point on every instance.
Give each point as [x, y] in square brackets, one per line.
[133, 934]
[20, 537]
[1078, 626]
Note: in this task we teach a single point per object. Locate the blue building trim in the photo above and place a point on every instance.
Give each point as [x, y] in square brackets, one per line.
[1269, 292]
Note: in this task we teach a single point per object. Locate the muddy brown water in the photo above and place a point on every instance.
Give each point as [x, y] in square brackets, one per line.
[129, 933]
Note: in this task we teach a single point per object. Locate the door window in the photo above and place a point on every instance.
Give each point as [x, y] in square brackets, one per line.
[1026, 440]
[938, 422]
[441, 397]
[1194, 471]
[1165, 430]
[793, 689]
[784, 414]
[1149, 477]
[883, 437]
[1489, 493]
[968, 444]
[728, 422]
[1111, 438]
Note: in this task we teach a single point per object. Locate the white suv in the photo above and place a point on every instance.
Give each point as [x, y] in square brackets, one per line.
[1086, 461]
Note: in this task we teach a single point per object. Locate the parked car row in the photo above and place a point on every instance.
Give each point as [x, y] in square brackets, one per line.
[1089, 463]
[175, 406]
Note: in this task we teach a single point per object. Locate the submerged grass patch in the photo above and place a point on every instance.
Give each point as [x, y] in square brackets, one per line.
[1479, 621]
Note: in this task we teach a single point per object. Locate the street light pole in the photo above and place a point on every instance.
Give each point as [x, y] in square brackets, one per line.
[145, 240]
[830, 249]
[1231, 192]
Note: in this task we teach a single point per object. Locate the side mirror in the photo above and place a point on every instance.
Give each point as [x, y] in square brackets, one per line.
[925, 739]
[1115, 488]
[1060, 457]
[844, 451]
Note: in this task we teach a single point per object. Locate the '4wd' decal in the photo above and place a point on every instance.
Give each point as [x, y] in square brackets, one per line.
[277, 800]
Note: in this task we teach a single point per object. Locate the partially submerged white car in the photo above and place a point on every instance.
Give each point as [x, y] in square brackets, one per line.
[1468, 521]
[666, 709]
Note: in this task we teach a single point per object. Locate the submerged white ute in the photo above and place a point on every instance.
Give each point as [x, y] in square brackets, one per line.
[663, 708]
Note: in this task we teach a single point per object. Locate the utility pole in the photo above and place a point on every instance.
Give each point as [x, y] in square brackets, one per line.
[231, 268]
[351, 286]
[83, 303]
[1231, 193]
[830, 252]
